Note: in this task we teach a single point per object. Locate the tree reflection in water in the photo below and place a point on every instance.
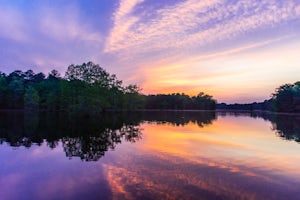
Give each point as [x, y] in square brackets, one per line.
[93, 147]
[87, 137]
[90, 137]
[286, 126]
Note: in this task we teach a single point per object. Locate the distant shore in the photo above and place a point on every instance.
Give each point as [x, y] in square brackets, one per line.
[163, 110]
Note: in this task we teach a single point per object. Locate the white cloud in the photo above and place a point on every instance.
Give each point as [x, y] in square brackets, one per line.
[193, 24]
[123, 21]
[188, 32]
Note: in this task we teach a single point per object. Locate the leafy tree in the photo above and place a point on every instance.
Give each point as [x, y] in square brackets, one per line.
[88, 72]
[54, 75]
[28, 75]
[31, 99]
[39, 77]
[17, 74]
[180, 102]
[3, 90]
[132, 97]
[287, 98]
[86, 88]
[16, 92]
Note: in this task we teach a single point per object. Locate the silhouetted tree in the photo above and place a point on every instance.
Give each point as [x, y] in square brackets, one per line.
[31, 99]
[39, 77]
[16, 91]
[287, 98]
[89, 73]
[54, 75]
[87, 88]
[180, 102]
[3, 91]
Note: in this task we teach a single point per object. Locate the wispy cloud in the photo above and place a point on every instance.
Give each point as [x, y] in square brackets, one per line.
[172, 47]
[164, 46]
[123, 21]
[193, 24]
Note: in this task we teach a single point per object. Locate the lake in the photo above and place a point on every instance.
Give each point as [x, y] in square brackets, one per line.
[149, 155]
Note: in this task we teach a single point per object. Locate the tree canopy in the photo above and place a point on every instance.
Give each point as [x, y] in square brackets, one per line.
[287, 98]
[86, 88]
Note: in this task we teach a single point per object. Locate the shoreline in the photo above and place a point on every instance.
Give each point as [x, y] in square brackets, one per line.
[164, 110]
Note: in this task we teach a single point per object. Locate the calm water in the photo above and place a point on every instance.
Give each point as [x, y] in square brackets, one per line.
[171, 155]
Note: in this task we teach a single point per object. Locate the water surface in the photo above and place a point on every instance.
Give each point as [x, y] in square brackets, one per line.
[158, 155]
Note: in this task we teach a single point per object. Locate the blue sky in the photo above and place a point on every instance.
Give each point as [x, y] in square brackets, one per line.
[235, 50]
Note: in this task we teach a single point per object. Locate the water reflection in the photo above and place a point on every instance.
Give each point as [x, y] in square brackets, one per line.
[180, 118]
[236, 157]
[26, 128]
[93, 147]
[286, 126]
[86, 137]
[89, 138]
[175, 155]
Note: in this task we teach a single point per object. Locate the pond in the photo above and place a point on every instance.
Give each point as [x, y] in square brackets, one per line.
[149, 155]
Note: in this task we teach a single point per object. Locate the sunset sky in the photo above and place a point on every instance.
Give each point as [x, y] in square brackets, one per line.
[235, 50]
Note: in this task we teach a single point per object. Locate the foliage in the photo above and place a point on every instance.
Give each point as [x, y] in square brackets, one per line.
[3, 90]
[180, 102]
[287, 98]
[86, 88]
[31, 99]
[265, 105]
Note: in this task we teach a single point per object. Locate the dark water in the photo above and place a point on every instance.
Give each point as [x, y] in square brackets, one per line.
[170, 155]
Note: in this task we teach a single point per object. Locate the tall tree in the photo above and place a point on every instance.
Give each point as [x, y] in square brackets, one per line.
[3, 90]
[31, 99]
[16, 92]
[287, 98]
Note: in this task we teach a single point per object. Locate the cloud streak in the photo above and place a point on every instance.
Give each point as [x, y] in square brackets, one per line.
[172, 47]
[192, 24]
[123, 20]
[163, 46]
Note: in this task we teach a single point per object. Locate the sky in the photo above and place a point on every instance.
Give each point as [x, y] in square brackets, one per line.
[235, 50]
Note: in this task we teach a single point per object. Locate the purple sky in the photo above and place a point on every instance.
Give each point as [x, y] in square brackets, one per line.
[235, 50]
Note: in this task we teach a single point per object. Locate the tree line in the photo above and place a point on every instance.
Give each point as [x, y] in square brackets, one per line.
[178, 101]
[86, 88]
[286, 98]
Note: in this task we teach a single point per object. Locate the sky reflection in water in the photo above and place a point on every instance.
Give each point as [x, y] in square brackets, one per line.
[155, 156]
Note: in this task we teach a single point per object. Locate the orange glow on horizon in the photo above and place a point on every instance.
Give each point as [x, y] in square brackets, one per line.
[230, 76]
